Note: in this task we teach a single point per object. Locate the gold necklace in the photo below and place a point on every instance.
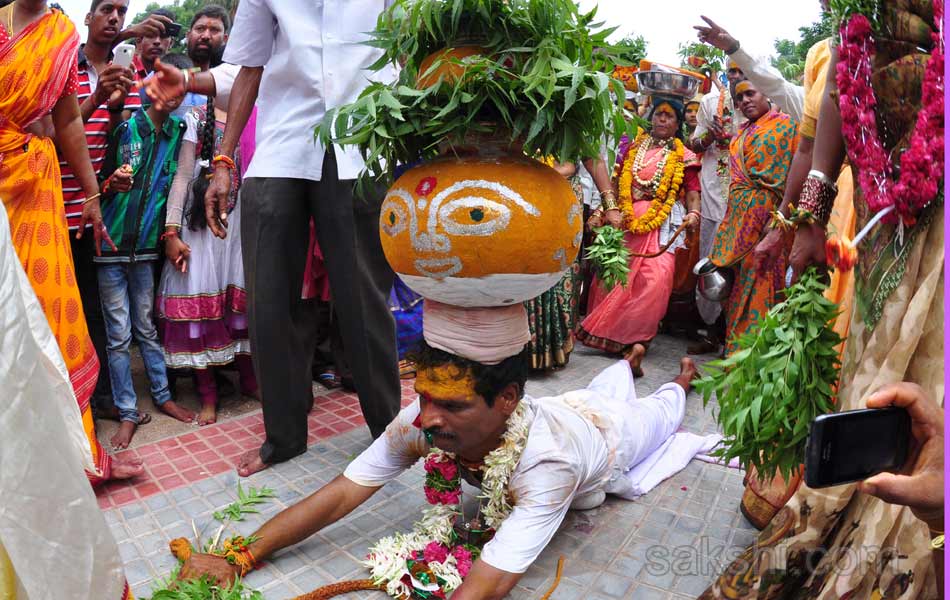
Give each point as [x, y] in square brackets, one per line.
[638, 164]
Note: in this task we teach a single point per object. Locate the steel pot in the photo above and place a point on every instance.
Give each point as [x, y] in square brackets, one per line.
[715, 284]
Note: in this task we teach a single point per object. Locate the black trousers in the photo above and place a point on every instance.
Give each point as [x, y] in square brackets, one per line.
[274, 235]
[83, 251]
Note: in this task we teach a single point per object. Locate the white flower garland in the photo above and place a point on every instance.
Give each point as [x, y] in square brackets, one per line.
[387, 559]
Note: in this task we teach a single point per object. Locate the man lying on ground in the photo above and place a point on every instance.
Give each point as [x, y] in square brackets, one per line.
[472, 422]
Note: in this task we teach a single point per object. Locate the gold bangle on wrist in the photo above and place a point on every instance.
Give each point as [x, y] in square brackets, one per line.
[608, 200]
[937, 542]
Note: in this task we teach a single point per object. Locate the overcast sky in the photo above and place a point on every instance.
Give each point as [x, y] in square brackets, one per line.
[664, 23]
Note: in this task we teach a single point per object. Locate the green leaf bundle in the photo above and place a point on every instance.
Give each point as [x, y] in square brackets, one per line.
[781, 377]
[203, 589]
[245, 504]
[541, 82]
[611, 257]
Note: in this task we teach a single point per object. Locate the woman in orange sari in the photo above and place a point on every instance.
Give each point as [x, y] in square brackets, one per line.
[759, 157]
[38, 71]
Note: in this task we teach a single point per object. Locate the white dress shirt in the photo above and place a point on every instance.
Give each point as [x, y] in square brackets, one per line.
[313, 60]
[789, 97]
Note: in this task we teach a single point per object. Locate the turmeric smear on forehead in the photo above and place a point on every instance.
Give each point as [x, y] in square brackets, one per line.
[445, 381]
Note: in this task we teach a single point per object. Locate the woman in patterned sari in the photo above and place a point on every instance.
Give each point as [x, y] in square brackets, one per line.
[38, 73]
[841, 543]
[759, 160]
[553, 315]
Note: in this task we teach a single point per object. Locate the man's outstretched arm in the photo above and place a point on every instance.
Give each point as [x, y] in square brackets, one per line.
[324, 507]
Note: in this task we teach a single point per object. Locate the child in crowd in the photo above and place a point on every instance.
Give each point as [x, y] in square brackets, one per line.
[202, 303]
[140, 163]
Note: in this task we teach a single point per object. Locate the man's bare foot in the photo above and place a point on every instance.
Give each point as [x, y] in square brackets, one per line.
[127, 468]
[250, 462]
[123, 437]
[208, 415]
[687, 374]
[635, 357]
[173, 410]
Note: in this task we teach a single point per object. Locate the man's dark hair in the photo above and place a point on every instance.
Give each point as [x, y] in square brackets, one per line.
[490, 380]
[95, 4]
[213, 11]
[163, 12]
[179, 61]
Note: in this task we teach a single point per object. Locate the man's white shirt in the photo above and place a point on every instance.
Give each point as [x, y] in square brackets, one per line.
[314, 60]
[565, 456]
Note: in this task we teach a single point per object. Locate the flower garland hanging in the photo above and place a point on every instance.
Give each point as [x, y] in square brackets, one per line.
[921, 165]
[664, 186]
[431, 560]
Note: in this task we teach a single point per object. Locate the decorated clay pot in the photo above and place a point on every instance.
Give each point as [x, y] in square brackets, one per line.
[487, 227]
[448, 70]
[696, 61]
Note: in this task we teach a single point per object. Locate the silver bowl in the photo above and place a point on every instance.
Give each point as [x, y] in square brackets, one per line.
[714, 283]
[662, 82]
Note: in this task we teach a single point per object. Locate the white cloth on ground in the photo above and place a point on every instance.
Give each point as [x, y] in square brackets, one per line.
[580, 446]
[49, 515]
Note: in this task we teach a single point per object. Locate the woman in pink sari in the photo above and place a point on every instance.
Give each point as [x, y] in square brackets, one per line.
[658, 186]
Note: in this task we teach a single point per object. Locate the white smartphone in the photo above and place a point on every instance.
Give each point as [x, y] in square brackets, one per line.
[122, 55]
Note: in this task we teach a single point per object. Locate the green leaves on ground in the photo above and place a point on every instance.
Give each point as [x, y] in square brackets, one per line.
[245, 504]
[781, 377]
[541, 83]
[611, 257]
[203, 589]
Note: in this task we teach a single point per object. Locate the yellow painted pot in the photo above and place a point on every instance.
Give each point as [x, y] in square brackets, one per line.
[490, 228]
[447, 69]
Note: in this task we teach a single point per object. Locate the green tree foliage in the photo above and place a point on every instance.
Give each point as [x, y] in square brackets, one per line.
[790, 59]
[631, 49]
[184, 10]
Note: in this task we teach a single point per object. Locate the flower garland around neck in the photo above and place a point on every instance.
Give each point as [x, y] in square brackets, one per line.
[432, 560]
[921, 165]
[665, 184]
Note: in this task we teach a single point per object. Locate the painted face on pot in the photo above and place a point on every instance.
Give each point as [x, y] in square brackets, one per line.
[480, 232]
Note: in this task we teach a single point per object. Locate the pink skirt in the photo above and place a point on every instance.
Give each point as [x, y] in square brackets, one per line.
[630, 314]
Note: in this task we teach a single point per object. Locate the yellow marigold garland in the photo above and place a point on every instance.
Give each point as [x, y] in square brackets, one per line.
[665, 195]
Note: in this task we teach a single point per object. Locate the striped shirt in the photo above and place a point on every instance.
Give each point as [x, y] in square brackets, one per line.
[97, 139]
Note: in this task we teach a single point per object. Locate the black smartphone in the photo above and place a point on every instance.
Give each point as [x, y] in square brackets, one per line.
[172, 30]
[854, 445]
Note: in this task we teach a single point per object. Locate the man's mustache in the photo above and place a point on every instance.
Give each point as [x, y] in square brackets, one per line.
[432, 432]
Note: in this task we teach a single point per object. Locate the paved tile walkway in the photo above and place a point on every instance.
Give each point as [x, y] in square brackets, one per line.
[669, 543]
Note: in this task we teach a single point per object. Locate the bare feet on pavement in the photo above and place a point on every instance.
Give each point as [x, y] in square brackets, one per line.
[123, 437]
[208, 415]
[687, 374]
[635, 357]
[175, 411]
[250, 462]
[127, 468]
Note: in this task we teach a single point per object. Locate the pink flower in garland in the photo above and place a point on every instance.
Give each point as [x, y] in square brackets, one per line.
[434, 496]
[921, 165]
[463, 560]
[435, 552]
[446, 468]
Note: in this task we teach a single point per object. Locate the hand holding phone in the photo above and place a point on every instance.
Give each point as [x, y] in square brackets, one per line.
[172, 30]
[122, 55]
[918, 484]
[850, 446]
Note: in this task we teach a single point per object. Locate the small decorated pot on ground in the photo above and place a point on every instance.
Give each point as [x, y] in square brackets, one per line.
[480, 227]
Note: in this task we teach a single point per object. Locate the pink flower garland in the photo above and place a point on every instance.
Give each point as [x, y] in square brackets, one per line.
[921, 165]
